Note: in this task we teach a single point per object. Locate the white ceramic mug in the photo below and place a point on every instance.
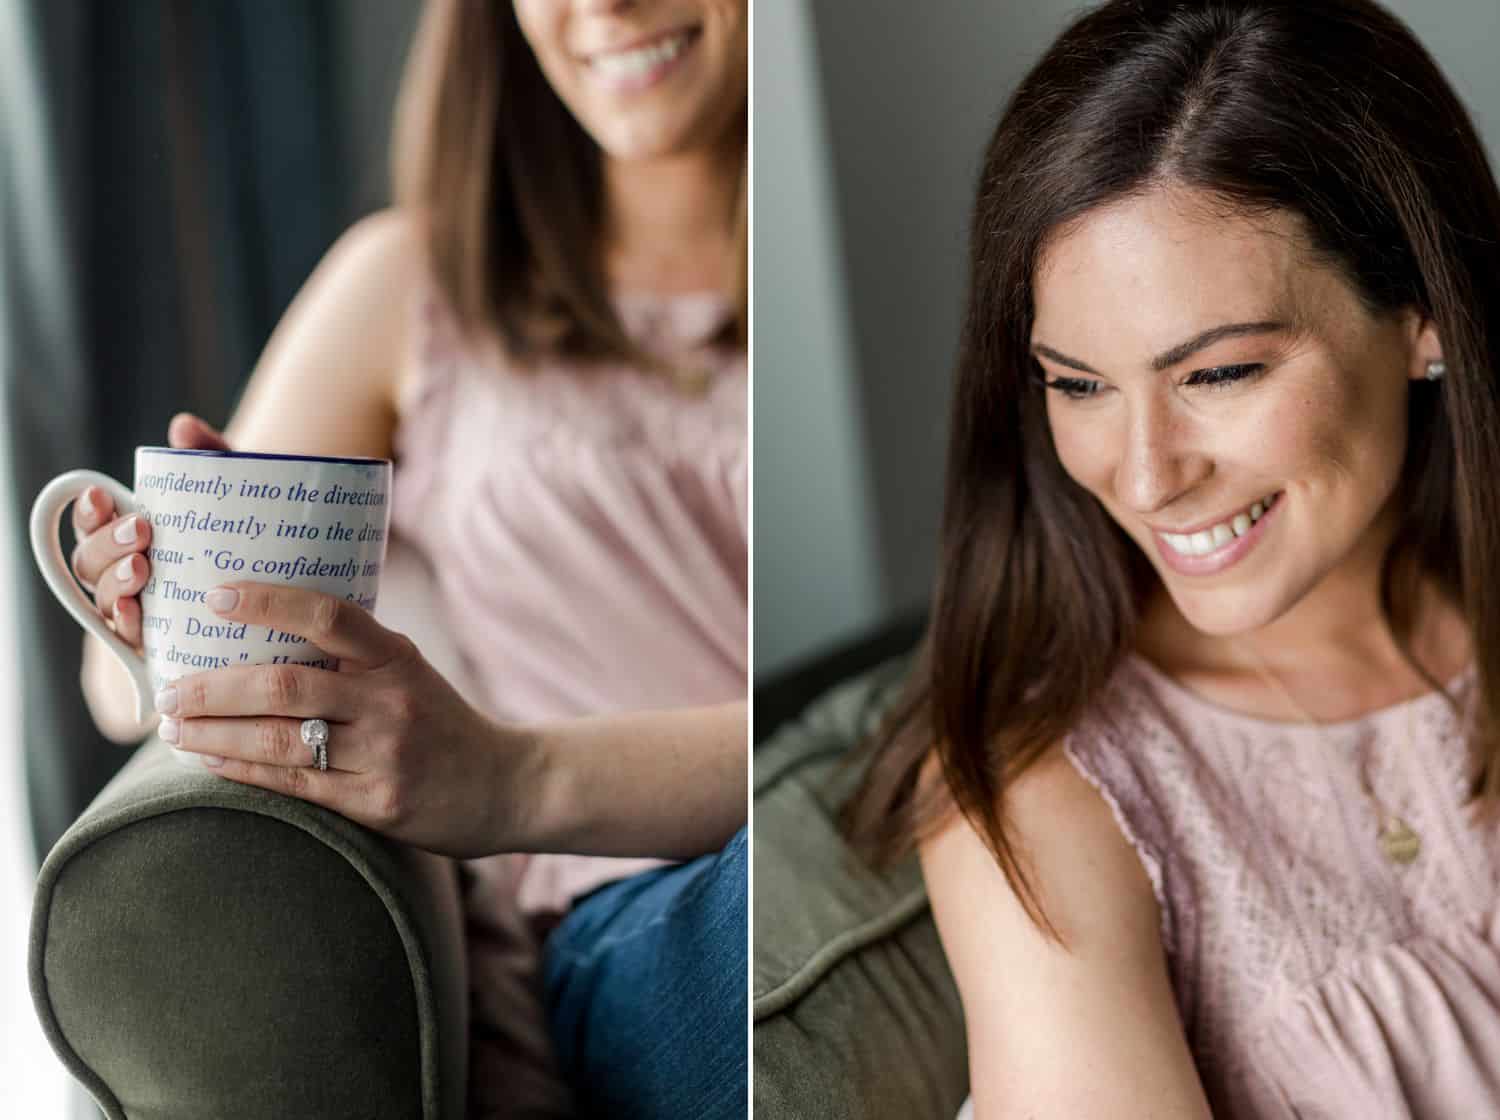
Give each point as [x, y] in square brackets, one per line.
[223, 516]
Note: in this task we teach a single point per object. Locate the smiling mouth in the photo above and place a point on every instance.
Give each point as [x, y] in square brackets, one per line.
[1210, 540]
[645, 60]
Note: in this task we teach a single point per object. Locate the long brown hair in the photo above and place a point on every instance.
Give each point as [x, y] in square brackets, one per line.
[510, 189]
[1329, 109]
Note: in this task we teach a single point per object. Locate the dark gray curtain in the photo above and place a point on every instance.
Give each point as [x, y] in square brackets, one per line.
[175, 178]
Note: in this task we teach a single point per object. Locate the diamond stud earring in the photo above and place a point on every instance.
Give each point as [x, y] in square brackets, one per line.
[1435, 370]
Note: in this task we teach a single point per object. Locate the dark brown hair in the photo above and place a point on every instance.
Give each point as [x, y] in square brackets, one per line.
[510, 190]
[1327, 109]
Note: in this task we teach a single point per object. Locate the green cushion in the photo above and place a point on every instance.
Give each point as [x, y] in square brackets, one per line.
[856, 1013]
[201, 948]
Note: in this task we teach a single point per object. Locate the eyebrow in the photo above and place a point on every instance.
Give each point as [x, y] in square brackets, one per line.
[1181, 352]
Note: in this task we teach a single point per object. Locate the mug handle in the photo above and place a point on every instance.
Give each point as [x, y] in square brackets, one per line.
[46, 520]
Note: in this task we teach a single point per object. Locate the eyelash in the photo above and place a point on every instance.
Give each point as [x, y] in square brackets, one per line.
[1216, 378]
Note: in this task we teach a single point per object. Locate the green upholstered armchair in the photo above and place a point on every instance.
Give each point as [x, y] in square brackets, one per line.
[201, 948]
[856, 1013]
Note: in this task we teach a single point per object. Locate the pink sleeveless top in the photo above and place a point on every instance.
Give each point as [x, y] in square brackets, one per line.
[587, 528]
[1315, 978]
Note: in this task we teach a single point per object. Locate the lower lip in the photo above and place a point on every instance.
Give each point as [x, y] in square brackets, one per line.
[659, 73]
[1222, 558]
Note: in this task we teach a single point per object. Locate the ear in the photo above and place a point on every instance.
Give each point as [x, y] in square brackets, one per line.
[1424, 345]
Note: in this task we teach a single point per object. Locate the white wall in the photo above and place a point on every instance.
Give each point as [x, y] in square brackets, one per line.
[815, 565]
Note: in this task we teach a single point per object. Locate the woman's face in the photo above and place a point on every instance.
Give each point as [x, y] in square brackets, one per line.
[647, 78]
[1242, 416]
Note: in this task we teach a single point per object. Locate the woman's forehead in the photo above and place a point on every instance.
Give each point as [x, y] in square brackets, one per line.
[1163, 264]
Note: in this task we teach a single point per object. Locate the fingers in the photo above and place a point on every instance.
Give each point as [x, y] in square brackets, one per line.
[127, 619]
[336, 626]
[267, 690]
[123, 579]
[190, 432]
[268, 740]
[97, 559]
[93, 508]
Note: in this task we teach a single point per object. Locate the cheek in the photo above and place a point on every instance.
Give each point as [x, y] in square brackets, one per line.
[1084, 445]
[1352, 430]
[544, 27]
[540, 22]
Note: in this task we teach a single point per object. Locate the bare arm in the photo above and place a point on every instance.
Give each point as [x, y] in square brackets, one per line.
[667, 783]
[664, 783]
[1054, 1033]
[342, 341]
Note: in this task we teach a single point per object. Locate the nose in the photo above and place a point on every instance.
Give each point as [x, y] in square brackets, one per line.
[1159, 459]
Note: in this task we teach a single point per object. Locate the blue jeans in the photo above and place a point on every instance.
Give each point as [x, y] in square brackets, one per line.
[646, 984]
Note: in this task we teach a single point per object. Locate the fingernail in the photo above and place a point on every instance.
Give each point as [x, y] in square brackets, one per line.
[166, 700]
[125, 531]
[222, 598]
[86, 506]
[168, 730]
[211, 760]
[125, 568]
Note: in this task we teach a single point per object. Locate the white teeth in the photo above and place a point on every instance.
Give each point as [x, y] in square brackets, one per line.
[632, 64]
[1217, 536]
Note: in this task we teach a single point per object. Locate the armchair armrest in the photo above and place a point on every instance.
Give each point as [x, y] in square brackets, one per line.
[201, 947]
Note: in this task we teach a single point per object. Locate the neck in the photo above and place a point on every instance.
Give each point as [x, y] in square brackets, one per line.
[669, 222]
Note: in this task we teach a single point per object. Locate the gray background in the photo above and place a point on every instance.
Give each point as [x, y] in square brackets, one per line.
[869, 123]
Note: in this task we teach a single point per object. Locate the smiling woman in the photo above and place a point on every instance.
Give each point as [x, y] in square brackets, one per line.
[1204, 738]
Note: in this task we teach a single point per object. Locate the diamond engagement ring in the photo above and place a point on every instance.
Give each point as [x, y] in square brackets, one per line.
[315, 735]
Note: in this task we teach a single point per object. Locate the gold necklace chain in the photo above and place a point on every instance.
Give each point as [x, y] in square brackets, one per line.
[1397, 839]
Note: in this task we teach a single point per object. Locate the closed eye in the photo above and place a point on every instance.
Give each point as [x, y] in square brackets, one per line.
[1218, 377]
[1075, 388]
[1221, 377]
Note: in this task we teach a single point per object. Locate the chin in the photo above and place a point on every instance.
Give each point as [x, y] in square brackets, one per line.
[650, 137]
[1225, 613]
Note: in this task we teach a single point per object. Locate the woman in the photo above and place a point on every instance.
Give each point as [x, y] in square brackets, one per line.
[547, 333]
[1200, 752]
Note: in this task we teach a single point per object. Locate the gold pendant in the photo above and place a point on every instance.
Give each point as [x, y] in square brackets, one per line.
[1399, 842]
[693, 380]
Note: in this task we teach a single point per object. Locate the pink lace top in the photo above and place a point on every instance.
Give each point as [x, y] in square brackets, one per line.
[587, 527]
[1315, 978]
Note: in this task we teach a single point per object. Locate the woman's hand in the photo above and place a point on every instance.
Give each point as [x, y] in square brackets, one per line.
[110, 559]
[407, 756]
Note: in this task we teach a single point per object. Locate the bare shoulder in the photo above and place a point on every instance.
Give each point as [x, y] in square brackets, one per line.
[382, 256]
[1087, 877]
[343, 339]
[1037, 1011]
